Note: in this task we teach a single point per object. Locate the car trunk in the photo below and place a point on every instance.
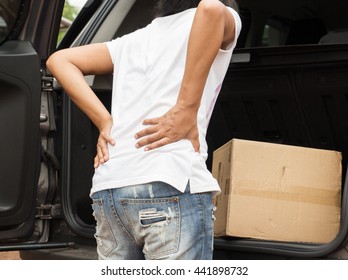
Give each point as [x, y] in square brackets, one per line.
[294, 95]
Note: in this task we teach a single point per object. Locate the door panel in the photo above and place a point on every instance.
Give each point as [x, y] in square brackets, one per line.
[19, 140]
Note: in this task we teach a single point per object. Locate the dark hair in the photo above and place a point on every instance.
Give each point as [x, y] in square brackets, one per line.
[170, 7]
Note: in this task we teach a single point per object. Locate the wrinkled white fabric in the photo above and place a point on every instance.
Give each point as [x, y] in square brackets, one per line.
[148, 68]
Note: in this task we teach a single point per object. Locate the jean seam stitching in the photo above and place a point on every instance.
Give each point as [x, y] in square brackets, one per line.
[203, 232]
[118, 220]
[103, 216]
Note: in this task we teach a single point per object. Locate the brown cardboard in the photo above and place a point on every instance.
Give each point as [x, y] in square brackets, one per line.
[277, 192]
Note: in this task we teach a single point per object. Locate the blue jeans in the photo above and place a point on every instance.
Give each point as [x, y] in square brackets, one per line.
[153, 221]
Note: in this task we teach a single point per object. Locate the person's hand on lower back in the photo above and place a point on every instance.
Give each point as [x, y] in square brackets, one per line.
[104, 139]
[177, 124]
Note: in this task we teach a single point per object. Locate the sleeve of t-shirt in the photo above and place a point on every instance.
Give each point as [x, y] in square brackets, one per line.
[238, 27]
[113, 48]
[132, 40]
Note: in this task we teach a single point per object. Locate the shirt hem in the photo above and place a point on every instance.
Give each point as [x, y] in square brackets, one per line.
[180, 186]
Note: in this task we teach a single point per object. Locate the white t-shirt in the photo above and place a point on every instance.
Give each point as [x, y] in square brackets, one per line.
[148, 69]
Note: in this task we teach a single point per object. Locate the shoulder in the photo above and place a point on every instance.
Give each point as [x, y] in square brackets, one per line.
[119, 43]
[237, 20]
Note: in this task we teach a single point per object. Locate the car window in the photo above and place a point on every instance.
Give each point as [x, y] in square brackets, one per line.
[9, 16]
[70, 12]
[280, 31]
[294, 23]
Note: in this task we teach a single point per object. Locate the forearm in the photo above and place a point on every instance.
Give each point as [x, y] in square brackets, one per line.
[75, 85]
[69, 70]
[210, 30]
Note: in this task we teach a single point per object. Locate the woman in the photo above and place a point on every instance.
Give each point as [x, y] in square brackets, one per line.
[156, 202]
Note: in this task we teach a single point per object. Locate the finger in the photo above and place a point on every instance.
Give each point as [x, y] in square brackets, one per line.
[157, 144]
[109, 140]
[149, 140]
[103, 150]
[147, 131]
[96, 161]
[100, 155]
[152, 121]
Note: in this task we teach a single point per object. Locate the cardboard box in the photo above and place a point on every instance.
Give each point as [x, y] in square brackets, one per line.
[277, 192]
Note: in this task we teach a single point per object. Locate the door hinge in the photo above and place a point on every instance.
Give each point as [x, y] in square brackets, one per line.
[49, 83]
[49, 211]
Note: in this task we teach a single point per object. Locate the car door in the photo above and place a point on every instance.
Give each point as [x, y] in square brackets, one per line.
[28, 32]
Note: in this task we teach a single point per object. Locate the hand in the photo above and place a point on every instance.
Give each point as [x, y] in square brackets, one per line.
[178, 123]
[102, 145]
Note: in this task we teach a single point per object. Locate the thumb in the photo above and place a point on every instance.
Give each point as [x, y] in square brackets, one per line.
[108, 139]
[196, 145]
[193, 136]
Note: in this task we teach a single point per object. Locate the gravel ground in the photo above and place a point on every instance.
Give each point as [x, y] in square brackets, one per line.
[14, 255]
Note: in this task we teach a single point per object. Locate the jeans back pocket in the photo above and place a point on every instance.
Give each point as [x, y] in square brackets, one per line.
[156, 222]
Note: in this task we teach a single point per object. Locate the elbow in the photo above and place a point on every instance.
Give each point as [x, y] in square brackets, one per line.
[212, 9]
[52, 61]
[55, 61]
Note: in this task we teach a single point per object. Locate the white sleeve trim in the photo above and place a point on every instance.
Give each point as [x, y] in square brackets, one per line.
[237, 29]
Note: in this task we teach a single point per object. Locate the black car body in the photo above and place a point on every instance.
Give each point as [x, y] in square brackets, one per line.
[287, 83]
